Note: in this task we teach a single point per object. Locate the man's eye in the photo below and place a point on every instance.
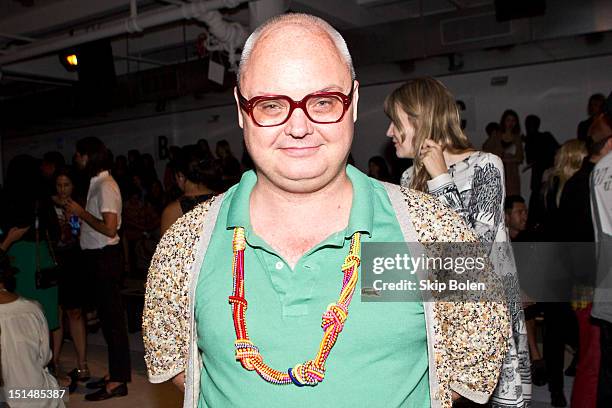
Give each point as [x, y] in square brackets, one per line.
[270, 106]
[323, 104]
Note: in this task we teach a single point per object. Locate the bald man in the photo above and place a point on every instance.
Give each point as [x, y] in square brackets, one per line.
[285, 244]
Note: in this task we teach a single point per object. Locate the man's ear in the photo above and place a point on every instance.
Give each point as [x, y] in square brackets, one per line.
[240, 118]
[355, 101]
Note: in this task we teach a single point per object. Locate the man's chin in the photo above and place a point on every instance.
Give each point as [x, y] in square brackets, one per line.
[302, 180]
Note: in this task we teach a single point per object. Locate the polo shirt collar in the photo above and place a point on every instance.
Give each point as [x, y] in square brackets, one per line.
[361, 218]
[238, 214]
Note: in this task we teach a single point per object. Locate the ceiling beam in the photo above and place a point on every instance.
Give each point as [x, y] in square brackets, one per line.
[59, 14]
[457, 3]
[17, 37]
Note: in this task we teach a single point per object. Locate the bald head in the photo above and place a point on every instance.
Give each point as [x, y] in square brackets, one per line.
[293, 29]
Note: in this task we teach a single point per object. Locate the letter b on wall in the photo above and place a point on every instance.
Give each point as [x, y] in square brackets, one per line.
[162, 147]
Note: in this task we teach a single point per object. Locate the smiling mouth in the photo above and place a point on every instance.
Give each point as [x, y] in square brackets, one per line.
[301, 151]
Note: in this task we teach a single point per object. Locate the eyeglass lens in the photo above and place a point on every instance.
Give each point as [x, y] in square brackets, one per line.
[322, 109]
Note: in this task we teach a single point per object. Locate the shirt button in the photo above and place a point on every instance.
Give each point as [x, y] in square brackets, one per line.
[279, 265]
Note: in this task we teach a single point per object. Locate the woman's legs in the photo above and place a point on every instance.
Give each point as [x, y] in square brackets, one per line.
[57, 337]
[79, 336]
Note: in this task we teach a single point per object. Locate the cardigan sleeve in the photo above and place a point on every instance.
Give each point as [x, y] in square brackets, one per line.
[470, 332]
[166, 316]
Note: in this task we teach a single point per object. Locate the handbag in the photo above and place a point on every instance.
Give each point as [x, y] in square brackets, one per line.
[49, 276]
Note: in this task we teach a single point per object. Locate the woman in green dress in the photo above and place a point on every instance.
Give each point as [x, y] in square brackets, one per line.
[23, 207]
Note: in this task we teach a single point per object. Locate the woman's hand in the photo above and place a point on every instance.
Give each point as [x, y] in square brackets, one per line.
[432, 158]
[14, 235]
[72, 207]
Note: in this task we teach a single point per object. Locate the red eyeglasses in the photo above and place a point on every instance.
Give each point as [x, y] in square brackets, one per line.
[319, 107]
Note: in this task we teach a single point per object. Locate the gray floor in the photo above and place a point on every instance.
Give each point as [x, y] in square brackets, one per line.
[141, 393]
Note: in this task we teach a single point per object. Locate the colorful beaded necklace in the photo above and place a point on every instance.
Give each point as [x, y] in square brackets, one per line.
[311, 372]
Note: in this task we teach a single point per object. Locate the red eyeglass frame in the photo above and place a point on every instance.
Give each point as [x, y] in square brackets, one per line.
[249, 104]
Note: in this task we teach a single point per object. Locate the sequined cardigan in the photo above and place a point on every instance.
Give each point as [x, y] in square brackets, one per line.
[466, 340]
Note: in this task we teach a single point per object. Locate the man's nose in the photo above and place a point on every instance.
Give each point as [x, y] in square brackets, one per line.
[298, 125]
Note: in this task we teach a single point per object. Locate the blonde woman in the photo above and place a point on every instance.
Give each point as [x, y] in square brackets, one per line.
[425, 126]
[567, 162]
[561, 326]
[511, 143]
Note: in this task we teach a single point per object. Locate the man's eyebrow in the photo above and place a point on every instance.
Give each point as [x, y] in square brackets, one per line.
[328, 88]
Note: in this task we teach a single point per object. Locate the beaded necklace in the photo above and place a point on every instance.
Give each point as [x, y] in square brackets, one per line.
[311, 372]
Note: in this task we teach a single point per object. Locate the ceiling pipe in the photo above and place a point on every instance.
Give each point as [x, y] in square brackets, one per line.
[16, 37]
[232, 36]
[140, 59]
[143, 21]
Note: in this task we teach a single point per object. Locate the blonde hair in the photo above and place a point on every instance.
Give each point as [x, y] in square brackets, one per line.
[432, 111]
[568, 161]
[302, 19]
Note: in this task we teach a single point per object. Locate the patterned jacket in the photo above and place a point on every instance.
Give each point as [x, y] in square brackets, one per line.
[466, 340]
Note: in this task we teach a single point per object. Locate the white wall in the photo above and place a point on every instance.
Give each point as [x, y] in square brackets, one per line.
[142, 134]
[557, 92]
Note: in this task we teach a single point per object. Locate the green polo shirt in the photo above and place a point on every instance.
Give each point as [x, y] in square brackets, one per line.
[380, 357]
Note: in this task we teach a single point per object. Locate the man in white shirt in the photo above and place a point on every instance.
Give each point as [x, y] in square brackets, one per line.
[601, 210]
[100, 243]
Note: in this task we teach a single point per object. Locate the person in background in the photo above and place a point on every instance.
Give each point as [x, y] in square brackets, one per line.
[15, 234]
[102, 253]
[377, 168]
[51, 163]
[134, 161]
[26, 206]
[140, 221]
[561, 326]
[197, 177]
[148, 172]
[601, 201]
[567, 162]
[230, 166]
[24, 340]
[156, 197]
[515, 213]
[575, 210]
[425, 126]
[540, 149]
[205, 149]
[511, 141]
[170, 187]
[493, 142]
[594, 108]
[72, 284]
[121, 174]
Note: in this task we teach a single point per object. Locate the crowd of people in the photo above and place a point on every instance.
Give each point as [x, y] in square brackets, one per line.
[104, 212]
[110, 213]
[484, 188]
